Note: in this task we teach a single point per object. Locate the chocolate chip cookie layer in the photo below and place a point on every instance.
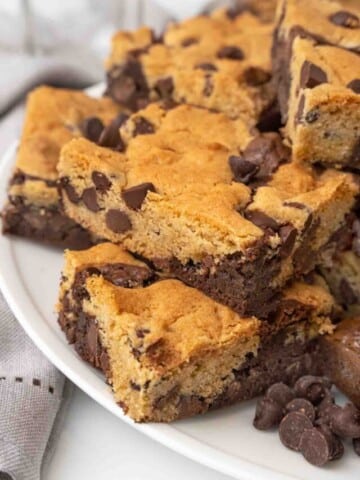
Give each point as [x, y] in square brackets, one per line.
[220, 61]
[206, 202]
[53, 117]
[169, 351]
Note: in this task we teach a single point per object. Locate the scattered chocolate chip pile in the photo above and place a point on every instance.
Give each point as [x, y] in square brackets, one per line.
[309, 420]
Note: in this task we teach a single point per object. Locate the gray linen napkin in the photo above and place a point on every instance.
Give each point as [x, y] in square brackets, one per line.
[31, 391]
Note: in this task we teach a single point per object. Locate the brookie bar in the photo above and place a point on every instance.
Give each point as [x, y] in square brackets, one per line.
[206, 202]
[169, 351]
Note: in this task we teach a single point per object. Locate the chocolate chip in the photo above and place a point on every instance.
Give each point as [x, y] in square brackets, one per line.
[356, 445]
[91, 128]
[268, 414]
[134, 196]
[189, 41]
[324, 409]
[312, 116]
[303, 406]
[117, 221]
[110, 136]
[345, 19]
[208, 67]
[319, 447]
[312, 388]
[300, 110]
[288, 236]
[208, 86]
[256, 76]
[261, 220]
[70, 190]
[18, 178]
[135, 386]
[243, 170]
[164, 87]
[291, 429]
[101, 182]
[142, 332]
[90, 199]
[143, 126]
[280, 393]
[354, 85]
[345, 421]
[231, 52]
[311, 75]
[127, 85]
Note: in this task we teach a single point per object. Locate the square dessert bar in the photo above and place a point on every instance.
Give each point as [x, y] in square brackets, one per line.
[340, 353]
[53, 117]
[316, 57]
[169, 351]
[206, 202]
[220, 61]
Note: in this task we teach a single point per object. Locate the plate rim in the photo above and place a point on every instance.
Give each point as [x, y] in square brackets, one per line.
[19, 300]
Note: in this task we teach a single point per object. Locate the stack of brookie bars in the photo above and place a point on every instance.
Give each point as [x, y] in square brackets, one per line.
[216, 184]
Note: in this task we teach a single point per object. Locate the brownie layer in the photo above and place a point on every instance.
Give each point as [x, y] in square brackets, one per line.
[48, 225]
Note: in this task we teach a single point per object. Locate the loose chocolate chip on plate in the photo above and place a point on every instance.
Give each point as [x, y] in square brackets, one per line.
[91, 128]
[90, 199]
[345, 19]
[256, 76]
[354, 85]
[292, 427]
[231, 52]
[70, 190]
[280, 393]
[356, 445]
[243, 170]
[164, 87]
[261, 220]
[143, 126]
[117, 221]
[101, 182]
[345, 421]
[303, 406]
[288, 235]
[134, 196]
[268, 414]
[313, 388]
[311, 75]
[319, 447]
[324, 409]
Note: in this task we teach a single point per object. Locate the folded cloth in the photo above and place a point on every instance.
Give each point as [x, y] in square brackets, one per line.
[31, 391]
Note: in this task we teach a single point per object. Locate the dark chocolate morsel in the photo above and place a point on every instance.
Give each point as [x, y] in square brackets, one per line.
[208, 67]
[231, 52]
[256, 76]
[91, 128]
[127, 84]
[117, 221]
[261, 220]
[101, 182]
[345, 19]
[134, 196]
[311, 75]
[319, 447]
[345, 421]
[90, 199]
[280, 393]
[18, 178]
[70, 190]
[291, 429]
[312, 116]
[242, 169]
[187, 42]
[110, 136]
[354, 85]
[312, 388]
[356, 445]
[164, 87]
[288, 236]
[143, 126]
[268, 414]
[301, 405]
[325, 407]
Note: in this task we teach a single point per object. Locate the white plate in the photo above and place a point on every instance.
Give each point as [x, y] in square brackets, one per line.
[224, 440]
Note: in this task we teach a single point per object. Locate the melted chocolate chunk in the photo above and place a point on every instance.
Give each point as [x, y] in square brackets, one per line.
[256, 76]
[110, 136]
[312, 116]
[143, 126]
[127, 85]
[187, 42]
[89, 197]
[231, 52]
[134, 196]
[345, 19]
[311, 75]
[18, 178]
[262, 220]
[288, 236]
[208, 67]
[117, 221]
[164, 87]
[70, 190]
[243, 170]
[300, 110]
[91, 128]
[101, 182]
[354, 85]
